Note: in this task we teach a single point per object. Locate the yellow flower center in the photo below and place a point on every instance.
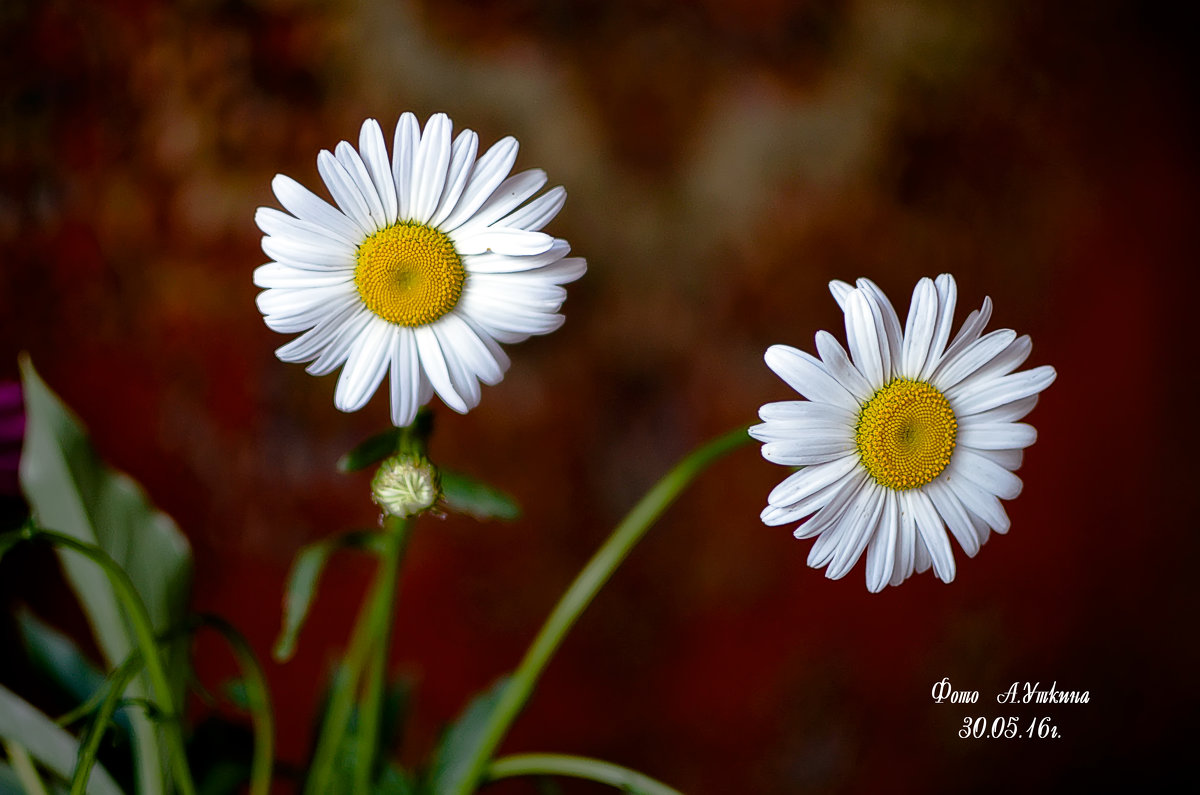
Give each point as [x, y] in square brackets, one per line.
[409, 274]
[905, 434]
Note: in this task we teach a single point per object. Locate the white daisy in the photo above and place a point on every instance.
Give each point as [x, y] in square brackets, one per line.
[909, 434]
[430, 259]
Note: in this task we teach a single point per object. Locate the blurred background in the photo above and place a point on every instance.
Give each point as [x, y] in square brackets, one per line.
[723, 161]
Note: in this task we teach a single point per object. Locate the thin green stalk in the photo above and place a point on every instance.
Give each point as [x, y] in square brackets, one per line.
[22, 765]
[615, 776]
[147, 645]
[118, 682]
[376, 612]
[580, 594]
[258, 701]
[371, 705]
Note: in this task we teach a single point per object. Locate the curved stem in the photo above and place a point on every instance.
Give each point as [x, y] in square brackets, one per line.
[371, 706]
[147, 645]
[580, 593]
[376, 612]
[615, 776]
[118, 681]
[258, 700]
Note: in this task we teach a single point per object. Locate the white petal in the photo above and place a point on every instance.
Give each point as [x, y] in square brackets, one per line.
[539, 212]
[906, 546]
[815, 448]
[803, 485]
[797, 497]
[971, 329]
[954, 515]
[932, 535]
[881, 551]
[887, 320]
[405, 379]
[366, 366]
[307, 206]
[1009, 412]
[842, 496]
[280, 224]
[841, 291]
[472, 351]
[462, 158]
[486, 176]
[320, 309]
[338, 349]
[792, 410]
[987, 507]
[500, 240]
[859, 524]
[863, 337]
[357, 170]
[839, 366]
[996, 435]
[457, 351]
[429, 167]
[497, 353]
[344, 191]
[974, 356]
[433, 363]
[506, 198]
[404, 152]
[918, 329]
[1003, 390]
[947, 292]
[1002, 363]
[806, 375]
[328, 321]
[985, 472]
[375, 155]
[503, 263]
[275, 275]
[1008, 459]
[330, 254]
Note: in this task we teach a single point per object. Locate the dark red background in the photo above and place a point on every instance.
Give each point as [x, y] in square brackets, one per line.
[722, 166]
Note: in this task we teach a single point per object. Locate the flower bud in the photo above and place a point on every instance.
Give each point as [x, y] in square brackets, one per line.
[405, 485]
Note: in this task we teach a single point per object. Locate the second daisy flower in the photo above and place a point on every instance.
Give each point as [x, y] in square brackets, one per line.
[909, 434]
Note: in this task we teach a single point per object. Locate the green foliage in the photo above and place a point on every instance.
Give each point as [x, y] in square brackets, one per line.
[372, 451]
[52, 747]
[464, 494]
[302, 583]
[71, 491]
[455, 753]
[62, 663]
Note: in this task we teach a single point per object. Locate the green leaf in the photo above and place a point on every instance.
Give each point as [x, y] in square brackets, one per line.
[395, 781]
[464, 494]
[302, 583]
[70, 490]
[372, 451]
[52, 747]
[454, 753]
[62, 662]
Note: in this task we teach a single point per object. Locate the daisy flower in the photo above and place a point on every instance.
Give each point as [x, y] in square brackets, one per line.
[908, 435]
[430, 259]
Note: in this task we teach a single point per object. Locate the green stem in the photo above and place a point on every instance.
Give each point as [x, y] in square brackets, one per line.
[118, 681]
[258, 700]
[615, 776]
[376, 612]
[580, 594]
[396, 532]
[22, 765]
[143, 631]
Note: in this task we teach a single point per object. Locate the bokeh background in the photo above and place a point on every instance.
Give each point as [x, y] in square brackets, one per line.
[723, 161]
